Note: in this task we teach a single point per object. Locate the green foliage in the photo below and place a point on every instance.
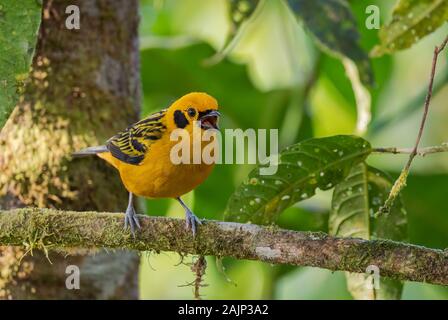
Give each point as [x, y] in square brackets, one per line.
[426, 204]
[257, 43]
[240, 10]
[240, 109]
[355, 201]
[19, 23]
[333, 25]
[274, 45]
[301, 168]
[411, 21]
[312, 284]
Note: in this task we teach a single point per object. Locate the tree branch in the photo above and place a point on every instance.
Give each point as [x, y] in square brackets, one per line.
[401, 180]
[46, 228]
[420, 152]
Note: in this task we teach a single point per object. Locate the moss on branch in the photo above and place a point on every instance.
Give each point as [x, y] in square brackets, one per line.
[46, 228]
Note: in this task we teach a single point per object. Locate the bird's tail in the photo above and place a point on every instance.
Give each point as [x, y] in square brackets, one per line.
[89, 151]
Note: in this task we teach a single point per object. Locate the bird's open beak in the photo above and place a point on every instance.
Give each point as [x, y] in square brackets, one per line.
[210, 120]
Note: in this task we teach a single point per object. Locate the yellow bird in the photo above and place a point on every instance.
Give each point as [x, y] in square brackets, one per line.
[142, 154]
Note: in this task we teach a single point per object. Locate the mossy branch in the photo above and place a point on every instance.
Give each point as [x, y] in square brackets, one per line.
[47, 228]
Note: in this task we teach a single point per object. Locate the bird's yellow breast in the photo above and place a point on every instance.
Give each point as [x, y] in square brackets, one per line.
[157, 176]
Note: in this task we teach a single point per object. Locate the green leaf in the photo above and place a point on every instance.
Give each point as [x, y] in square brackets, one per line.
[19, 23]
[354, 203]
[411, 21]
[362, 97]
[334, 27]
[301, 168]
[273, 61]
[240, 10]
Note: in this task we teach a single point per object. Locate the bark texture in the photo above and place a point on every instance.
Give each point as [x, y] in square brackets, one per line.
[43, 228]
[84, 87]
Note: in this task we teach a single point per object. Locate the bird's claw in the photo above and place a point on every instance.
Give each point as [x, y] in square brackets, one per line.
[191, 221]
[131, 220]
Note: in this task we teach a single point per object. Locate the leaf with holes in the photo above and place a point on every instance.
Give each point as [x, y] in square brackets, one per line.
[19, 23]
[411, 21]
[301, 168]
[355, 201]
[334, 27]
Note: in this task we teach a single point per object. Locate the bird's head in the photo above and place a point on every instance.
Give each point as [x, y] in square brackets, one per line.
[195, 106]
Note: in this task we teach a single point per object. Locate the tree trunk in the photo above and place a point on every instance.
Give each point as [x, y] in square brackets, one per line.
[84, 87]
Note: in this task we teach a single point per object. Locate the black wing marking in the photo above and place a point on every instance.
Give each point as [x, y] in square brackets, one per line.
[132, 144]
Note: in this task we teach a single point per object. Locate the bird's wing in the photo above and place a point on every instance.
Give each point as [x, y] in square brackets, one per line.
[132, 144]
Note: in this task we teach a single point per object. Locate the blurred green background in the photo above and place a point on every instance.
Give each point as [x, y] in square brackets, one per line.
[274, 76]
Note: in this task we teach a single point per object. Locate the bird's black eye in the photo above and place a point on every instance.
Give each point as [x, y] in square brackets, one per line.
[191, 112]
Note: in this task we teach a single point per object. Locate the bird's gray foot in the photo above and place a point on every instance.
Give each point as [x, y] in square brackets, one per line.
[130, 218]
[191, 221]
